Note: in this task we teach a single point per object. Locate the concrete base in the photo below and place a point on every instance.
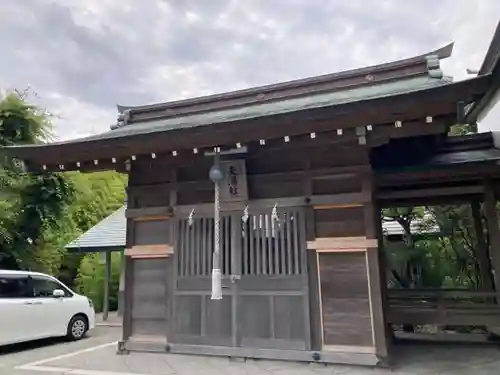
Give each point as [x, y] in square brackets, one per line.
[361, 359]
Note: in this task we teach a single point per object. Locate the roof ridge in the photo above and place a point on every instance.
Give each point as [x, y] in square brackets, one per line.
[427, 63]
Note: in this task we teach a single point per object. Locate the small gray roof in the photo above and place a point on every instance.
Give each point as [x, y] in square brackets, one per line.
[108, 234]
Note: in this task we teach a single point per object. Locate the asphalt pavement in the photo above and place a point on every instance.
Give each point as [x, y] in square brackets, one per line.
[21, 354]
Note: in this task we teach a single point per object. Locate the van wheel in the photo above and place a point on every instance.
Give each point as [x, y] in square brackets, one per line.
[77, 328]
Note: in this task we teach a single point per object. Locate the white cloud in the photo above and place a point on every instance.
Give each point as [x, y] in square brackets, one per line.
[83, 57]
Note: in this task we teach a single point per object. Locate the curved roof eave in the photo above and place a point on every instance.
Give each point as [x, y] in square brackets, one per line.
[120, 139]
[491, 65]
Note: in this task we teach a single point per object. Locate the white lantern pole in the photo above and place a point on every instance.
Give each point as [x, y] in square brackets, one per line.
[216, 175]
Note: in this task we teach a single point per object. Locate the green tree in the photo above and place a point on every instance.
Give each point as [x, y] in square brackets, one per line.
[30, 205]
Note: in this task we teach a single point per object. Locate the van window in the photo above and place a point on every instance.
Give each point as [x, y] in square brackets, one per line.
[43, 287]
[13, 286]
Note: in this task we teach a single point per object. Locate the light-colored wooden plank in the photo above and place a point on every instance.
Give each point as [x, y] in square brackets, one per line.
[353, 250]
[337, 243]
[149, 251]
[151, 218]
[334, 206]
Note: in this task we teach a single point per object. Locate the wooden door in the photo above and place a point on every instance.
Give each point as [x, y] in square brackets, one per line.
[273, 289]
[196, 318]
[265, 299]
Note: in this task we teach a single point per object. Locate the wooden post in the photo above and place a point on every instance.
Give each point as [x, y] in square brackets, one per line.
[374, 272]
[483, 258]
[107, 277]
[490, 210]
[121, 287]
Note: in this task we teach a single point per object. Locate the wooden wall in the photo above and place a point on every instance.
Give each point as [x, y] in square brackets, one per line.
[270, 174]
[149, 297]
[340, 206]
[345, 299]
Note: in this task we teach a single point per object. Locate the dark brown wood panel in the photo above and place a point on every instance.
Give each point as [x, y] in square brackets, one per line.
[285, 188]
[339, 222]
[149, 315]
[187, 316]
[338, 155]
[151, 232]
[345, 299]
[148, 195]
[195, 195]
[336, 184]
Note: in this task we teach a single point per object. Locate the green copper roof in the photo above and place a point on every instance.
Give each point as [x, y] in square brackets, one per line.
[320, 100]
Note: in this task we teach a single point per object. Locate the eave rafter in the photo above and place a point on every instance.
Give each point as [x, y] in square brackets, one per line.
[420, 106]
[365, 136]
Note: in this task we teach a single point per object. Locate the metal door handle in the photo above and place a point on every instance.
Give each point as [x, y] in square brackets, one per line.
[33, 303]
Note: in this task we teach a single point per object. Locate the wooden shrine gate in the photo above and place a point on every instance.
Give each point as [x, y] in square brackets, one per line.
[265, 290]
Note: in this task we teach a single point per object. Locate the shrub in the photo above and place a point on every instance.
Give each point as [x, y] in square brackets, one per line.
[90, 280]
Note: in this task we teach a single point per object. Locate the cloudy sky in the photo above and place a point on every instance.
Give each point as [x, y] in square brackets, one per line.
[82, 57]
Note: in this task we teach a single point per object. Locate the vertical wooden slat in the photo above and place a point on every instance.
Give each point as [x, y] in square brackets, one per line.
[262, 244]
[203, 247]
[277, 268]
[296, 244]
[289, 269]
[190, 250]
[245, 247]
[186, 249]
[251, 241]
[198, 240]
[258, 252]
[227, 245]
[182, 248]
[270, 262]
[282, 247]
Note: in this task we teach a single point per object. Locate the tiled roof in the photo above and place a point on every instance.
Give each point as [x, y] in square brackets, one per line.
[109, 233]
[318, 100]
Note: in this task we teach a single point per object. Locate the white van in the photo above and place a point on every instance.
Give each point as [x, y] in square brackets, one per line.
[35, 306]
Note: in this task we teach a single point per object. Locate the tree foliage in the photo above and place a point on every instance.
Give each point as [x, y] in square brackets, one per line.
[40, 214]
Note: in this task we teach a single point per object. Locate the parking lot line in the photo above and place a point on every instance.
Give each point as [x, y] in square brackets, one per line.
[67, 355]
[74, 371]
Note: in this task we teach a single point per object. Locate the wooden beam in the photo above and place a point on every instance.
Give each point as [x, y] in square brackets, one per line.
[483, 258]
[430, 192]
[149, 251]
[206, 184]
[371, 218]
[334, 206]
[258, 204]
[149, 213]
[341, 243]
[490, 210]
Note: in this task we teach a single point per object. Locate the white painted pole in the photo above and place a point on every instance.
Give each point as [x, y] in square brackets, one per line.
[216, 270]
